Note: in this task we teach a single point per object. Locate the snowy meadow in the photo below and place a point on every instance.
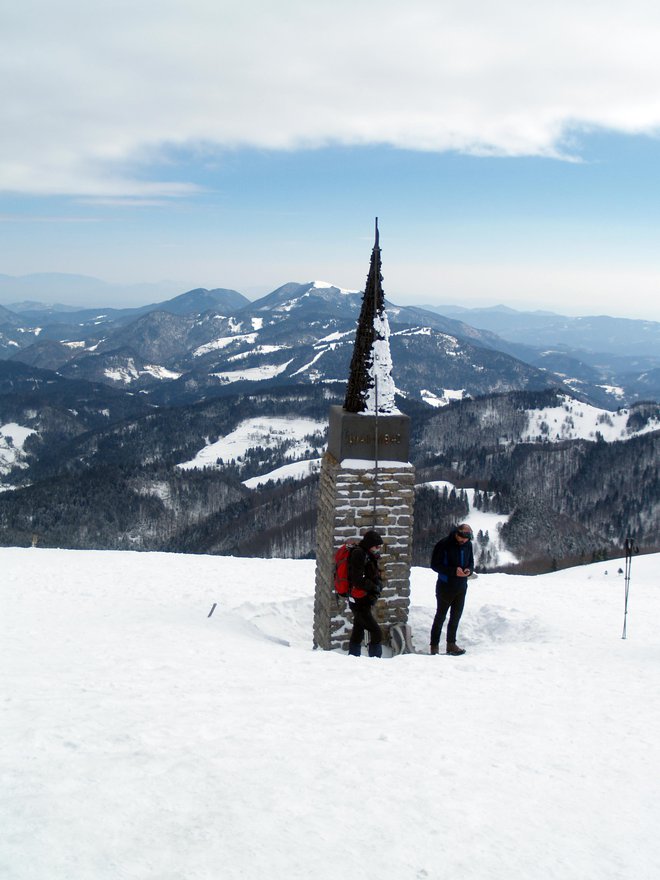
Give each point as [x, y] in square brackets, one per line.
[144, 739]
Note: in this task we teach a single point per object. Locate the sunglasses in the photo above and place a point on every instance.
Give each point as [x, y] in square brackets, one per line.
[467, 535]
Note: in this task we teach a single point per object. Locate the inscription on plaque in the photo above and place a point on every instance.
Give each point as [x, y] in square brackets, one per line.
[361, 439]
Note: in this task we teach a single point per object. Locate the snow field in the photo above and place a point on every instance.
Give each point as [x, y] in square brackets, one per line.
[144, 739]
[258, 431]
[12, 439]
[574, 420]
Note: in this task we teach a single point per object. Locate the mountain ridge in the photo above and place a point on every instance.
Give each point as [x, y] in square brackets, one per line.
[294, 320]
[299, 332]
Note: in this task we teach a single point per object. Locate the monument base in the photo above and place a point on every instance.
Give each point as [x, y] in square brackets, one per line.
[356, 495]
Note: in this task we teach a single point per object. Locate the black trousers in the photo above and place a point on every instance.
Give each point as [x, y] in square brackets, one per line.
[364, 620]
[452, 600]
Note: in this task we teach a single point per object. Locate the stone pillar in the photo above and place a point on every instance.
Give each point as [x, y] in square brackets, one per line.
[366, 482]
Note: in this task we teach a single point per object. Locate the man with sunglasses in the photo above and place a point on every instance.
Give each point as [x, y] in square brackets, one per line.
[453, 560]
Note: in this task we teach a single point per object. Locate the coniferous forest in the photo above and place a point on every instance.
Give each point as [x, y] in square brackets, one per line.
[101, 471]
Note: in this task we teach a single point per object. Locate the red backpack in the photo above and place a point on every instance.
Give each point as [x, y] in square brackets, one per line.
[342, 582]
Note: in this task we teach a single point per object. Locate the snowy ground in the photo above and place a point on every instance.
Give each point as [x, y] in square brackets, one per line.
[142, 738]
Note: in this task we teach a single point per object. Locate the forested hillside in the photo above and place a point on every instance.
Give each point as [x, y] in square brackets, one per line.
[94, 467]
[567, 499]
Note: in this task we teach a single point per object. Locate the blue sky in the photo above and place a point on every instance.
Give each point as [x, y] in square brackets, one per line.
[511, 155]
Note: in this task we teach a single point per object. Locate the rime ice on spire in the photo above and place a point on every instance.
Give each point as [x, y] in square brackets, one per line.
[370, 384]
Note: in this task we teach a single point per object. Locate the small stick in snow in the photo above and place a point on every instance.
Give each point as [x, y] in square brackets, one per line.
[212, 609]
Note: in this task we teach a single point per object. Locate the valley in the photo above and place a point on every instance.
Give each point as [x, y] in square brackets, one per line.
[198, 425]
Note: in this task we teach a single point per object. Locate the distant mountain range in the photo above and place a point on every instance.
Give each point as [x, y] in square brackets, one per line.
[595, 334]
[60, 287]
[203, 342]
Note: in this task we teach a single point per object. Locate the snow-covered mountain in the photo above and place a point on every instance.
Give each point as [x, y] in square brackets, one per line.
[205, 341]
[145, 737]
[125, 416]
[595, 333]
[612, 360]
[608, 361]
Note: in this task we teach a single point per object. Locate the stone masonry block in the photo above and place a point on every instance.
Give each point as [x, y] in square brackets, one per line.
[346, 510]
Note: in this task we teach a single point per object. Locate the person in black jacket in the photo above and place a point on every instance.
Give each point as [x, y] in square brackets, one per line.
[366, 583]
[453, 560]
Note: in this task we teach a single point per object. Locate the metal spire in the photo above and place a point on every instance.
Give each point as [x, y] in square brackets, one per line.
[360, 379]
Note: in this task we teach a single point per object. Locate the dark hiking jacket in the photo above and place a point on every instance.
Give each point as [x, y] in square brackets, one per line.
[364, 574]
[448, 555]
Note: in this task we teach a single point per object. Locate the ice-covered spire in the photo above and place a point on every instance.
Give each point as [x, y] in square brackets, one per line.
[370, 384]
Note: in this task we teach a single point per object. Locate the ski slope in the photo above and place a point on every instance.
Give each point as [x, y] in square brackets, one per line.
[144, 740]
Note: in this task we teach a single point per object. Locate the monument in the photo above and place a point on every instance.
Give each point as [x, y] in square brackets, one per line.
[366, 481]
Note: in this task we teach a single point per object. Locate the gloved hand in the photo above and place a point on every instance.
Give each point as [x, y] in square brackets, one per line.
[375, 590]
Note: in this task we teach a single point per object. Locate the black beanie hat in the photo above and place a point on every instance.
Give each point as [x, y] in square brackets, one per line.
[371, 539]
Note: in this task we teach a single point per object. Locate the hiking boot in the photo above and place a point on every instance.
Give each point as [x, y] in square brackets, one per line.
[354, 650]
[454, 650]
[376, 650]
[434, 649]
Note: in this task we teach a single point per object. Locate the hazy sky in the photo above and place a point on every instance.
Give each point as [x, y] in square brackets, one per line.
[510, 149]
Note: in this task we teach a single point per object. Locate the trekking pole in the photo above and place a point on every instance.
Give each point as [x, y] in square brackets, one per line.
[630, 548]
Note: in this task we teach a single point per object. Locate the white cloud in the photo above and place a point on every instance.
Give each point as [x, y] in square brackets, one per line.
[94, 93]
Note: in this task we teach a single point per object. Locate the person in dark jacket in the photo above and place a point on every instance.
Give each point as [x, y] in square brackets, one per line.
[366, 583]
[453, 560]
